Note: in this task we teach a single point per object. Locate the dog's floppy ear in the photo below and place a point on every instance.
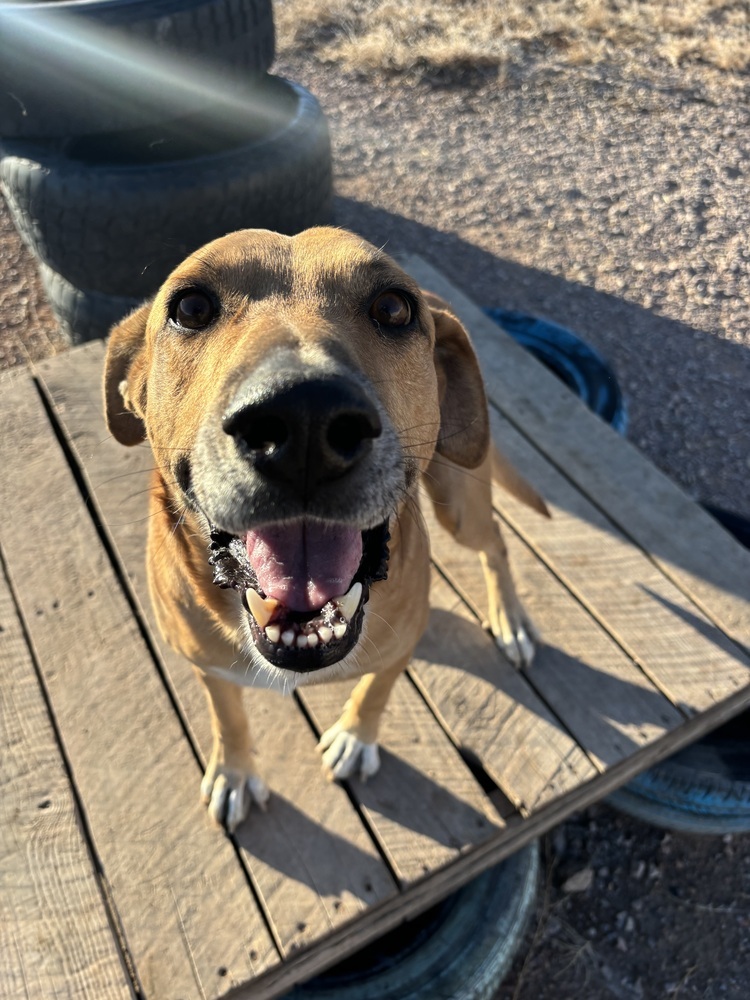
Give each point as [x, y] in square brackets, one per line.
[464, 421]
[125, 378]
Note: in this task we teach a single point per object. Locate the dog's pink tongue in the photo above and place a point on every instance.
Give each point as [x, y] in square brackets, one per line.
[304, 564]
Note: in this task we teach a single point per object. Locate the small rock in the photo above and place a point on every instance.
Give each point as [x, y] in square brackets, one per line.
[622, 944]
[639, 869]
[580, 881]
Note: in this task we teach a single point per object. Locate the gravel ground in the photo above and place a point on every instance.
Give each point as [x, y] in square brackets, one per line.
[616, 205]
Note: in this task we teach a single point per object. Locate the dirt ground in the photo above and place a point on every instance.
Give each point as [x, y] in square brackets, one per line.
[611, 199]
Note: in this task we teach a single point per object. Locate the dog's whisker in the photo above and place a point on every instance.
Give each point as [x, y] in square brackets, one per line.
[124, 475]
[152, 490]
[384, 621]
[135, 520]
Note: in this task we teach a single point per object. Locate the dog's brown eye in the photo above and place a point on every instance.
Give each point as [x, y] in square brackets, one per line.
[391, 309]
[193, 310]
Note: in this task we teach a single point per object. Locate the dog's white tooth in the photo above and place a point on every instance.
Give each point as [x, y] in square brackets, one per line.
[302, 641]
[273, 633]
[339, 630]
[325, 633]
[288, 637]
[262, 610]
[349, 603]
[312, 639]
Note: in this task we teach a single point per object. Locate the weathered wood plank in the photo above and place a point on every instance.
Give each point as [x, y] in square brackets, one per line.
[488, 707]
[687, 657]
[189, 920]
[599, 694]
[425, 807]
[55, 935]
[701, 558]
[293, 851]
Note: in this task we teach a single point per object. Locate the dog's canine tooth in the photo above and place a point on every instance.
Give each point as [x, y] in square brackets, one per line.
[339, 630]
[349, 603]
[273, 633]
[288, 637]
[325, 633]
[262, 610]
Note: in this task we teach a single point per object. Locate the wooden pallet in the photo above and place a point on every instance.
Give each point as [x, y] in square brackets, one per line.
[112, 875]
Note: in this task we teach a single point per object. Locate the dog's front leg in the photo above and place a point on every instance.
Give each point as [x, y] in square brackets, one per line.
[350, 745]
[231, 782]
[463, 506]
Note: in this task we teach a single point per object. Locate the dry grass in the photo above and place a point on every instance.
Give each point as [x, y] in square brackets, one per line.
[444, 36]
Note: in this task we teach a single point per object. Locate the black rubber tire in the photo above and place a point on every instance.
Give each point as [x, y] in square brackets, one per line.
[703, 789]
[121, 227]
[78, 67]
[461, 949]
[82, 315]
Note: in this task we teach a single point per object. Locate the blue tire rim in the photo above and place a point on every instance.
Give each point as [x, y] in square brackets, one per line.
[571, 359]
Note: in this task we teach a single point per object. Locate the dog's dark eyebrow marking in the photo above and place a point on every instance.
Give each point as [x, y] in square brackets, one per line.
[270, 273]
[370, 276]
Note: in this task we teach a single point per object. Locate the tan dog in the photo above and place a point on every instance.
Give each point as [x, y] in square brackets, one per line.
[295, 391]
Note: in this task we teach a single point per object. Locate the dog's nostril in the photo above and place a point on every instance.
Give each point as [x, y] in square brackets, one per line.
[347, 433]
[262, 433]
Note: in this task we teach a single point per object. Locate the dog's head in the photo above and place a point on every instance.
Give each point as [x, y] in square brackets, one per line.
[293, 390]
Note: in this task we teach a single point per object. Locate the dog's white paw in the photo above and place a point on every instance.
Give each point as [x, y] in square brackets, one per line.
[229, 795]
[344, 755]
[518, 644]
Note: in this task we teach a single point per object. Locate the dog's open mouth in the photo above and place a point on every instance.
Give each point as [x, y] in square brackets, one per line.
[304, 585]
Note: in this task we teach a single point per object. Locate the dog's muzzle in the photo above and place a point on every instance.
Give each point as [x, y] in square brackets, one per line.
[303, 445]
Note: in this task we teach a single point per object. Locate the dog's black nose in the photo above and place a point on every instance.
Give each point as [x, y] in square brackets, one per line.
[304, 432]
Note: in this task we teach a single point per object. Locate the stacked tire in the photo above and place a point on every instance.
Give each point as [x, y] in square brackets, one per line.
[133, 132]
